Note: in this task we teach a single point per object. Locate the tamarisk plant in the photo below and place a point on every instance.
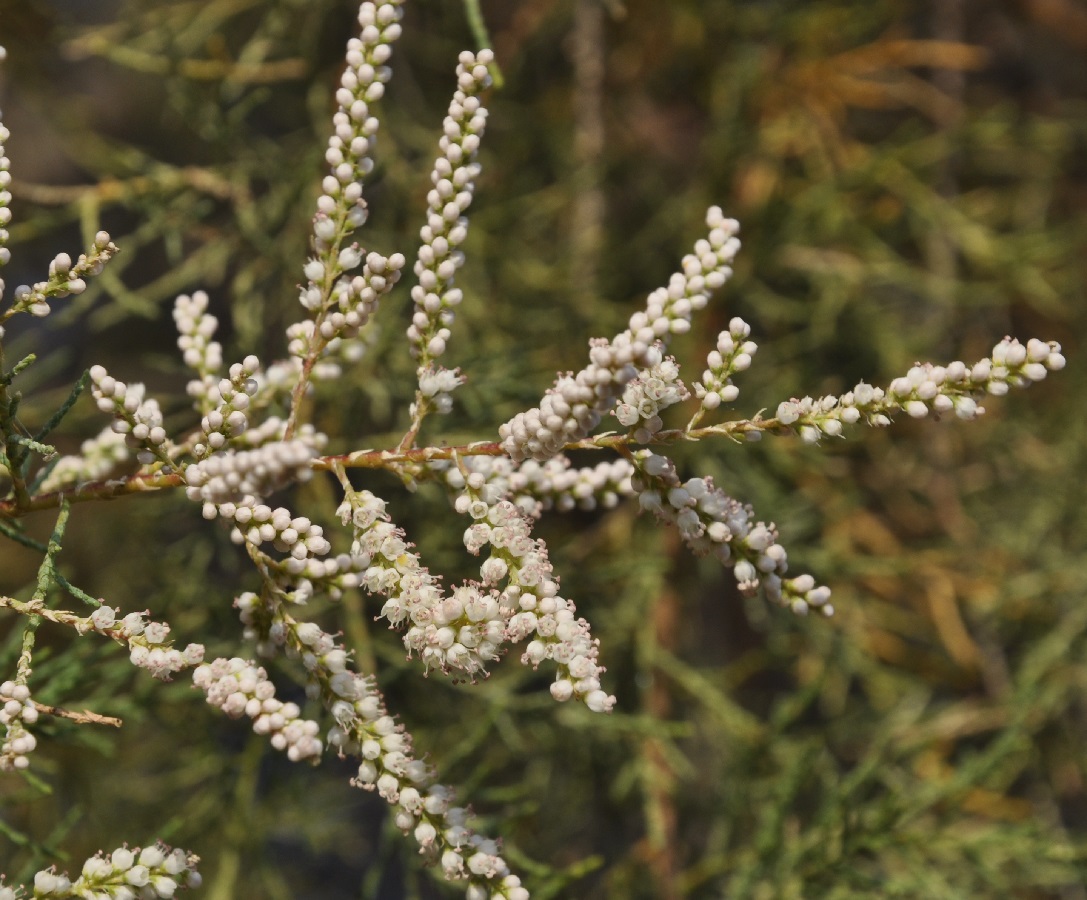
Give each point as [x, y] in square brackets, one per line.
[252, 437]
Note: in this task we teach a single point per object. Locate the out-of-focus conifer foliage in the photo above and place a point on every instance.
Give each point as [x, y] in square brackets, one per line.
[911, 178]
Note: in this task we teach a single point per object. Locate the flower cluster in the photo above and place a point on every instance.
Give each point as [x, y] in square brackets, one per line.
[228, 398]
[366, 731]
[240, 688]
[534, 487]
[516, 599]
[17, 711]
[354, 128]
[530, 600]
[733, 354]
[453, 177]
[226, 404]
[576, 403]
[306, 567]
[196, 327]
[148, 642]
[97, 457]
[241, 476]
[65, 277]
[712, 522]
[126, 874]
[925, 389]
[363, 729]
[414, 596]
[297, 536]
[341, 304]
[355, 299]
[137, 417]
[240, 453]
[645, 397]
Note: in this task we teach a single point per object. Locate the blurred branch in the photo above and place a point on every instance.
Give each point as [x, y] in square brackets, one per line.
[85, 717]
[587, 221]
[196, 69]
[110, 190]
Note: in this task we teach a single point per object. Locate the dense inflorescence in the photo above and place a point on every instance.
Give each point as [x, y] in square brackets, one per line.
[249, 439]
[125, 874]
[572, 408]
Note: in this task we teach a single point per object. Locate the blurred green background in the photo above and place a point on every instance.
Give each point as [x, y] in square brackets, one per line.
[911, 179]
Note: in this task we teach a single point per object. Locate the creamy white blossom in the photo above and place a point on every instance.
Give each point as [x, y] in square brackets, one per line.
[249, 439]
[135, 415]
[573, 407]
[155, 871]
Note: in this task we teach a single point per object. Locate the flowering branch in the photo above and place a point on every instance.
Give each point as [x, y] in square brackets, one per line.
[925, 390]
[126, 874]
[236, 455]
[340, 305]
[445, 230]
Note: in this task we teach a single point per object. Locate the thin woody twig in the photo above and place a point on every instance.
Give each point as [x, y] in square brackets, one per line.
[85, 716]
[92, 490]
[372, 459]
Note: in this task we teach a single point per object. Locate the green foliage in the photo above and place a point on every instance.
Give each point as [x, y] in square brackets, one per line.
[910, 186]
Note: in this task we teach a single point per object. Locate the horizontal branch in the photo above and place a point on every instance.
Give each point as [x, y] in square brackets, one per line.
[92, 490]
[373, 459]
[84, 717]
[112, 190]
